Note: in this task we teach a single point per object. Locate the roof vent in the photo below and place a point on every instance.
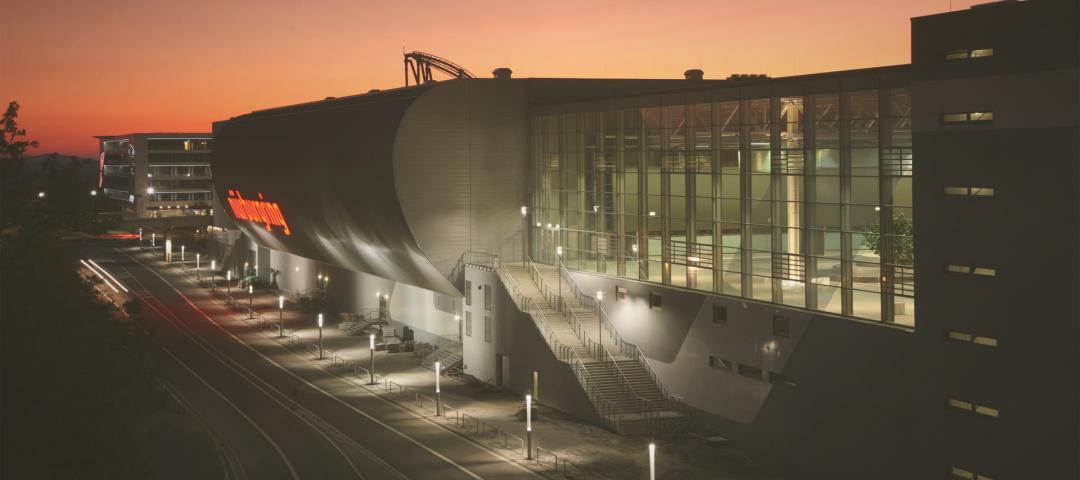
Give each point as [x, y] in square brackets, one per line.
[374, 90]
[694, 74]
[502, 73]
[747, 76]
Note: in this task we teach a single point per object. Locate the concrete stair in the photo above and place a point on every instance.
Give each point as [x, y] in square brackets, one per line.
[449, 359]
[640, 406]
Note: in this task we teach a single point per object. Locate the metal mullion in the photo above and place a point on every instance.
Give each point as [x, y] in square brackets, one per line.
[885, 240]
[776, 180]
[845, 201]
[744, 197]
[809, 194]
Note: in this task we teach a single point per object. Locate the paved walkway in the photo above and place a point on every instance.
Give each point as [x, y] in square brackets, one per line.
[483, 413]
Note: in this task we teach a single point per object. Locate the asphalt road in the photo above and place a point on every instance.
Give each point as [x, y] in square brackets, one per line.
[276, 412]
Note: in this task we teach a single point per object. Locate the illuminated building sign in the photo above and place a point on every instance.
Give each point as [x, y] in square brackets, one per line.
[258, 211]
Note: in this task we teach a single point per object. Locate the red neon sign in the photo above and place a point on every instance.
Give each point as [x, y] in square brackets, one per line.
[258, 211]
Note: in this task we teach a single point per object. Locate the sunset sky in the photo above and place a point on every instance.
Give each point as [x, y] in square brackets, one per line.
[82, 68]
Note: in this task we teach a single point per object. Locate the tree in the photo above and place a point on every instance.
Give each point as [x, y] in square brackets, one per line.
[903, 248]
[13, 147]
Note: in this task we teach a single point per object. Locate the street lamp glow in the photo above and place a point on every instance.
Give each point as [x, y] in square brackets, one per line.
[213, 264]
[438, 366]
[93, 193]
[538, 224]
[600, 295]
[558, 250]
[251, 289]
[524, 211]
[150, 190]
[228, 276]
[281, 302]
[320, 320]
[41, 194]
[549, 225]
[634, 247]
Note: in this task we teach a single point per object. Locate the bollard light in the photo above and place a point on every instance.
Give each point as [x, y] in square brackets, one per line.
[371, 371]
[281, 315]
[652, 461]
[528, 425]
[320, 336]
[438, 391]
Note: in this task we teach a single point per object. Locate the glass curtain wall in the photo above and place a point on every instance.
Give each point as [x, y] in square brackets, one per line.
[803, 201]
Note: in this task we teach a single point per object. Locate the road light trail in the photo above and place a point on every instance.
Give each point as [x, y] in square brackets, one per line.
[106, 280]
[217, 392]
[163, 311]
[329, 395]
[106, 272]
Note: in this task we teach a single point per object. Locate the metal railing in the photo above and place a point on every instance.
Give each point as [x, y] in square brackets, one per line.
[674, 403]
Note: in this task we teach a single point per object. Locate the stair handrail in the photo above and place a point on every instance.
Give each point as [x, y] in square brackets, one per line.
[563, 353]
[625, 347]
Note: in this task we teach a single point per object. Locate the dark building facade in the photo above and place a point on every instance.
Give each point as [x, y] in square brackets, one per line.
[865, 274]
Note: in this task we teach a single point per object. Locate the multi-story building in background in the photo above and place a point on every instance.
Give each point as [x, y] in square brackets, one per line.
[867, 274]
[158, 174]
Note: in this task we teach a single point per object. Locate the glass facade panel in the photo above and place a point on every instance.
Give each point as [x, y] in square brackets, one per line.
[801, 201]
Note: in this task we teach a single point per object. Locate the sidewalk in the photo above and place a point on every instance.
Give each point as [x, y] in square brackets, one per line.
[568, 448]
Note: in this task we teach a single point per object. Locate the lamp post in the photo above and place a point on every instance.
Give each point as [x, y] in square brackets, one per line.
[153, 240]
[371, 371]
[182, 255]
[281, 316]
[438, 391]
[228, 286]
[198, 271]
[524, 234]
[652, 461]
[213, 275]
[140, 239]
[528, 425]
[599, 321]
[320, 337]
[251, 301]
[558, 273]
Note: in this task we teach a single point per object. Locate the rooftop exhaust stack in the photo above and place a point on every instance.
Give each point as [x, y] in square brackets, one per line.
[747, 76]
[502, 73]
[694, 74]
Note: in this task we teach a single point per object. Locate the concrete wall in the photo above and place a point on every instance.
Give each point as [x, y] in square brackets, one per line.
[459, 161]
[514, 335]
[848, 413]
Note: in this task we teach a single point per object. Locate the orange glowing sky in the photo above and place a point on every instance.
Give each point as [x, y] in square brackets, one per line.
[94, 67]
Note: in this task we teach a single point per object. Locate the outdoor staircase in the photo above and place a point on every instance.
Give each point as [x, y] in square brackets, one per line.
[614, 373]
[449, 360]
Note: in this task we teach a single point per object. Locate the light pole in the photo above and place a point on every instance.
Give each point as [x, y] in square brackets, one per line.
[182, 256]
[599, 321]
[213, 275]
[140, 239]
[438, 391]
[528, 425]
[652, 461]
[558, 273]
[251, 301]
[320, 337]
[198, 271]
[228, 286]
[281, 316]
[371, 371]
[524, 234]
[153, 240]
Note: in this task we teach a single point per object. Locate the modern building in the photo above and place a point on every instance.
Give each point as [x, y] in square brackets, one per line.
[158, 174]
[866, 274]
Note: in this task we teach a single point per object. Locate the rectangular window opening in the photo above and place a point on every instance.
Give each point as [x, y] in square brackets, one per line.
[620, 294]
[781, 326]
[748, 371]
[468, 292]
[655, 301]
[720, 363]
[776, 378]
[719, 314]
